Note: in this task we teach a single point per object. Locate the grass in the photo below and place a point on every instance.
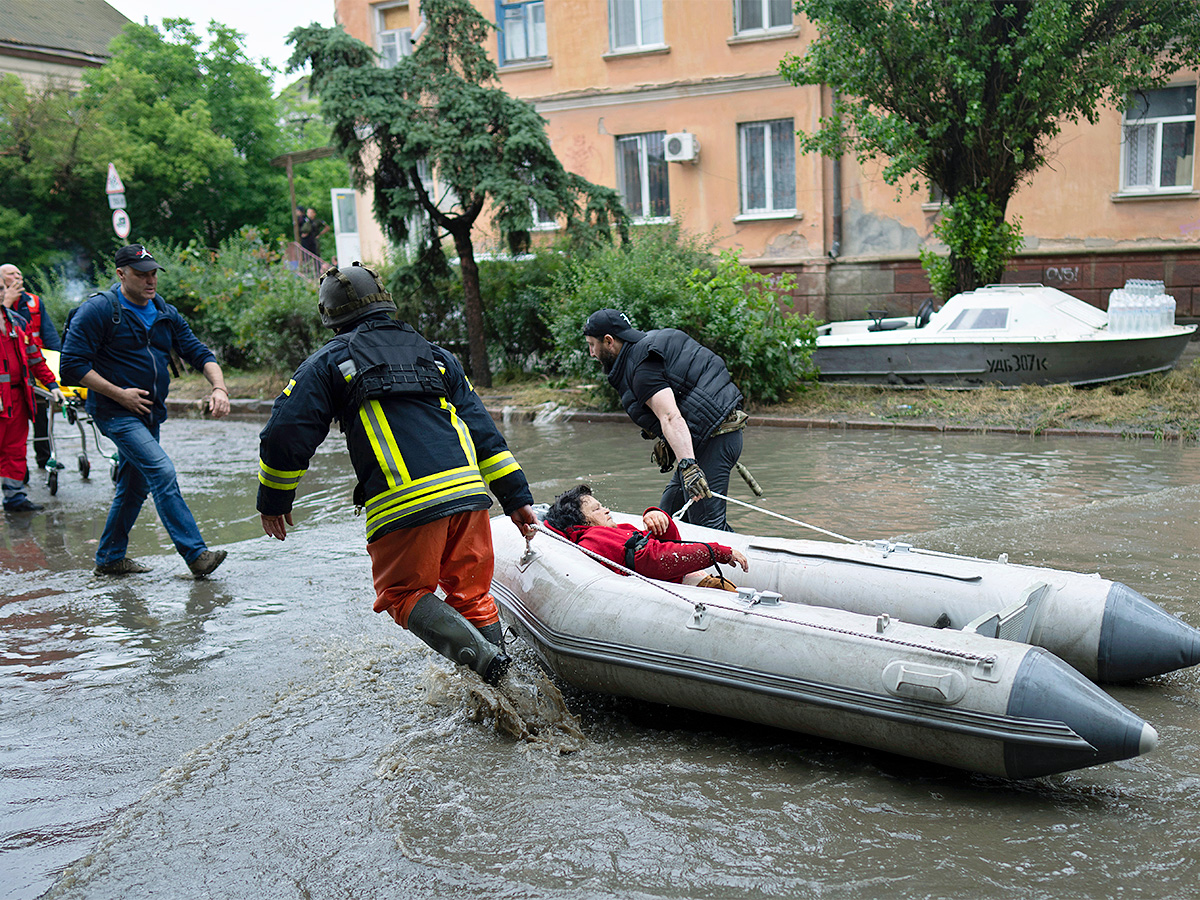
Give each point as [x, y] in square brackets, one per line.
[1165, 405]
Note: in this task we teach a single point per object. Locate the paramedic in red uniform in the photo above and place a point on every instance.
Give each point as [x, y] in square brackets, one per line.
[425, 452]
[42, 332]
[20, 363]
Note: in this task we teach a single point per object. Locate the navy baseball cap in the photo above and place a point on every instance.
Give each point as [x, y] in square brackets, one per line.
[614, 322]
[135, 256]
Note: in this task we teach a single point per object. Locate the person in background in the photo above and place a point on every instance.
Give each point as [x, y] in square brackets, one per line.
[680, 393]
[656, 551]
[21, 361]
[425, 452]
[118, 347]
[310, 233]
[42, 332]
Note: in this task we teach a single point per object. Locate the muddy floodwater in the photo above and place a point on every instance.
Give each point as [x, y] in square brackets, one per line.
[263, 734]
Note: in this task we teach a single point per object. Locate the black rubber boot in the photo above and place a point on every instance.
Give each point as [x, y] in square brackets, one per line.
[494, 633]
[442, 627]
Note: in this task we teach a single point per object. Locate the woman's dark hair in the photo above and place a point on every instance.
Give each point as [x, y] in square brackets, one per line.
[565, 514]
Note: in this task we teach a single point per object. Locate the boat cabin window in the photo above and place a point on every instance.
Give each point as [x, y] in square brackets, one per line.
[980, 318]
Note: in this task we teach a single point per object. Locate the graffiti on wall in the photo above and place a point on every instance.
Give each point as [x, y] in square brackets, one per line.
[1061, 275]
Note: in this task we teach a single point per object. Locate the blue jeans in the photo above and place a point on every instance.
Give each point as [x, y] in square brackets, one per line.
[144, 468]
[717, 458]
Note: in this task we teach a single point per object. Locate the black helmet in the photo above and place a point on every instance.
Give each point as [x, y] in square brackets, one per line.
[345, 297]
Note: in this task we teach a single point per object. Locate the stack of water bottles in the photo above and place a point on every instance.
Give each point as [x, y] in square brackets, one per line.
[1142, 306]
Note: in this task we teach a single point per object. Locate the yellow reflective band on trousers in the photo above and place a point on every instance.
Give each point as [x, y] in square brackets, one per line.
[498, 466]
[415, 497]
[278, 478]
[383, 442]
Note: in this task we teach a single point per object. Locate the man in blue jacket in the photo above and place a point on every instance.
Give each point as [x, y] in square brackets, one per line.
[42, 332]
[118, 347]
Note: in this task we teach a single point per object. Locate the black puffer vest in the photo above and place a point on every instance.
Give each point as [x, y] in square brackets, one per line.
[703, 389]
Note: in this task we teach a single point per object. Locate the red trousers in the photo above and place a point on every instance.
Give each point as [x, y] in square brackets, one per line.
[454, 552]
[14, 432]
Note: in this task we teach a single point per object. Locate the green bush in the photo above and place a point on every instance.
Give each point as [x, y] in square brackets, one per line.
[516, 293]
[667, 280]
[243, 301]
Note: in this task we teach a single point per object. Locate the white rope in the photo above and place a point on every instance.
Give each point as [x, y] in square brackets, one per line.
[768, 512]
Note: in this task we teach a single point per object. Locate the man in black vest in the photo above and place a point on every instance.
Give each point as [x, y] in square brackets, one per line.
[682, 394]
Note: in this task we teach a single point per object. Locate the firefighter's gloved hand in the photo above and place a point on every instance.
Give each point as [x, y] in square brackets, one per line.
[662, 455]
[694, 482]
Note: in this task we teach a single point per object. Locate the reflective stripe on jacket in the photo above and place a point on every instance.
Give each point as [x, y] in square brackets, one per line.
[21, 361]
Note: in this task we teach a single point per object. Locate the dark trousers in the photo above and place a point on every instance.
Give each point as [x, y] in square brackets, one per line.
[717, 458]
[41, 432]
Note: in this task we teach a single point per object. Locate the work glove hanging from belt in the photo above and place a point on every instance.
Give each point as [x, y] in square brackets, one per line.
[694, 482]
[662, 455]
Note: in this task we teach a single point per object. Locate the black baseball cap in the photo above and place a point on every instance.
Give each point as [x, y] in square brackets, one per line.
[614, 322]
[135, 256]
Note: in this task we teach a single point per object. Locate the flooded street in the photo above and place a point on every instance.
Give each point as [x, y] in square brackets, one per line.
[263, 734]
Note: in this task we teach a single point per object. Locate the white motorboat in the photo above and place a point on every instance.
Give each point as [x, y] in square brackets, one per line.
[955, 697]
[1005, 335]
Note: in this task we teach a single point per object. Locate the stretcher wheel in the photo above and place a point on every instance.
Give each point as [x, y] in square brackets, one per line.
[85, 465]
[52, 482]
[70, 413]
[112, 471]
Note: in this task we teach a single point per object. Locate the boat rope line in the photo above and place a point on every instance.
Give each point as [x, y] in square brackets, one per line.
[768, 512]
[700, 606]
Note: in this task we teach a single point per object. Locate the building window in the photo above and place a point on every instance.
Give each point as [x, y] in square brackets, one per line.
[1159, 140]
[522, 30]
[761, 15]
[642, 176]
[767, 161]
[635, 23]
[393, 36]
[542, 220]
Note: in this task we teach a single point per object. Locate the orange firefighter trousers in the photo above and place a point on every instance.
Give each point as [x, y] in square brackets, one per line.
[454, 552]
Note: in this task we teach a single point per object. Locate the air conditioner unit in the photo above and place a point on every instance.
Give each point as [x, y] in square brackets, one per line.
[681, 147]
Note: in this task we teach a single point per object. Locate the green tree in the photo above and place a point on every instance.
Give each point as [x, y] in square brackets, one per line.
[439, 113]
[51, 154]
[969, 94]
[194, 127]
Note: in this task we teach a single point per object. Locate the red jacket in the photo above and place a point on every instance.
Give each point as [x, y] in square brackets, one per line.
[668, 558]
[20, 362]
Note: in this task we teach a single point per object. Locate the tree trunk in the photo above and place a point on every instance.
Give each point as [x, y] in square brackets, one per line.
[481, 371]
[965, 276]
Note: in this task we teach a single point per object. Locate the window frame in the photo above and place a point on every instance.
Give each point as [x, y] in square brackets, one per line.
[502, 48]
[646, 199]
[770, 211]
[765, 29]
[1156, 188]
[402, 36]
[640, 42]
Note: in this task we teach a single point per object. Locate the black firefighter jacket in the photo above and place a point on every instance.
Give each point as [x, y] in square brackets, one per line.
[422, 444]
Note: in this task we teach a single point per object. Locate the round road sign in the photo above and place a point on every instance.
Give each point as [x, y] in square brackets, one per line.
[121, 223]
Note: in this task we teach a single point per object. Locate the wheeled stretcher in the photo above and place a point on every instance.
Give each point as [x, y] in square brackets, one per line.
[74, 413]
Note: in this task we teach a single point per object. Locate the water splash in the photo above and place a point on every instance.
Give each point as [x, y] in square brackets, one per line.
[525, 705]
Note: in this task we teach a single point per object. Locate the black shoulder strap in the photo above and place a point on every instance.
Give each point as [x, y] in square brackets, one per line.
[114, 319]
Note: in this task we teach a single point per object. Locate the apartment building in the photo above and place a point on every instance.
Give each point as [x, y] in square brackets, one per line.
[679, 105]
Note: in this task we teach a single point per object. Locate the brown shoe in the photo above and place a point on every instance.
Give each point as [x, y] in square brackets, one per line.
[206, 563]
[122, 566]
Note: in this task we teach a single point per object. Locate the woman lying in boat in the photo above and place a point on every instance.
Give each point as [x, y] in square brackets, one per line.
[656, 552]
